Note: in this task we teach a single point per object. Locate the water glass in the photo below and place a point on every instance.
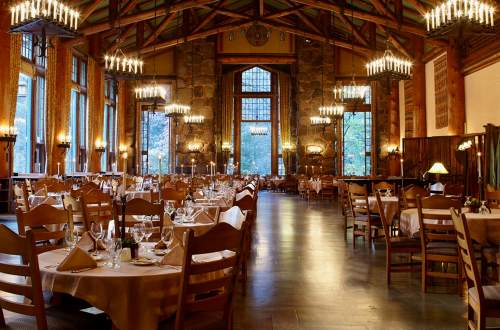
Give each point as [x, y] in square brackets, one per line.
[181, 212]
[115, 250]
[98, 233]
[69, 238]
[167, 235]
[148, 229]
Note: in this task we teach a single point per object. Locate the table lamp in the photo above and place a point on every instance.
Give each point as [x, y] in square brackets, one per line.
[437, 169]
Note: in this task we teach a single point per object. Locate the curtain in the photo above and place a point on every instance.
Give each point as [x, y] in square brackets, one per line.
[285, 105]
[227, 108]
[492, 147]
[91, 94]
[15, 66]
[95, 94]
[58, 80]
[121, 107]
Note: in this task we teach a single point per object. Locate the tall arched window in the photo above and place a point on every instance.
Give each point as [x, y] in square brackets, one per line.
[256, 121]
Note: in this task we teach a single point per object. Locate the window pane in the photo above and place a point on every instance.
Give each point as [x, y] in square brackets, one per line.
[22, 122]
[256, 108]
[256, 80]
[357, 143]
[83, 74]
[74, 70]
[27, 46]
[73, 117]
[83, 121]
[104, 158]
[255, 149]
[158, 142]
[40, 110]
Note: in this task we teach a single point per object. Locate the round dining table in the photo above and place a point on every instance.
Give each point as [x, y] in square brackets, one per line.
[134, 297]
[483, 228]
[390, 203]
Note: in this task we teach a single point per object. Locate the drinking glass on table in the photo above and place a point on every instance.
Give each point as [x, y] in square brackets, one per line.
[115, 250]
[69, 238]
[138, 233]
[181, 212]
[148, 229]
[167, 235]
[98, 233]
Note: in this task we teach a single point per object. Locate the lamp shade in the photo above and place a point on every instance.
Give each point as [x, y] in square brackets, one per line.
[438, 168]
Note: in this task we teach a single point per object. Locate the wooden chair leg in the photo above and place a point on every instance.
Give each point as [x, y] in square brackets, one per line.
[354, 228]
[481, 321]
[388, 266]
[2, 319]
[470, 316]
[424, 276]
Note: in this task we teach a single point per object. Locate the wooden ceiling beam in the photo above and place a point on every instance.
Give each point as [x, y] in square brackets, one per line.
[420, 7]
[305, 18]
[144, 16]
[395, 42]
[161, 27]
[261, 8]
[209, 17]
[121, 38]
[129, 6]
[90, 9]
[365, 16]
[354, 30]
[285, 12]
[382, 9]
[226, 12]
[198, 35]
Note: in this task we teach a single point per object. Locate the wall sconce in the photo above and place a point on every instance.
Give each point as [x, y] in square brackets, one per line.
[194, 147]
[8, 134]
[100, 146]
[286, 147]
[64, 141]
[314, 150]
[226, 146]
[393, 150]
[465, 145]
[122, 149]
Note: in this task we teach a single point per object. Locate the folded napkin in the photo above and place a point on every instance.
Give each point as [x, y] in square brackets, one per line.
[202, 217]
[87, 242]
[207, 257]
[174, 256]
[77, 259]
[161, 245]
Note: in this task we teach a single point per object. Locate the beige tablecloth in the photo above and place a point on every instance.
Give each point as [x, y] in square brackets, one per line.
[391, 206]
[315, 185]
[139, 194]
[484, 228]
[134, 297]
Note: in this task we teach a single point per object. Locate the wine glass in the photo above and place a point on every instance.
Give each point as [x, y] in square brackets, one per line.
[388, 193]
[98, 233]
[138, 233]
[148, 229]
[181, 212]
[167, 235]
[483, 209]
[69, 238]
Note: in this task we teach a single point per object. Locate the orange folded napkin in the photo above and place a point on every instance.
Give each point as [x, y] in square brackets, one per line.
[87, 242]
[77, 259]
[174, 256]
[161, 245]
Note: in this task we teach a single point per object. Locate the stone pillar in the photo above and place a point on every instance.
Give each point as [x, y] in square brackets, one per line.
[419, 105]
[456, 90]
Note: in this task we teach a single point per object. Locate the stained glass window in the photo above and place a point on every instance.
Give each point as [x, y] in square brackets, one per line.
[256, 80]
[256, 108]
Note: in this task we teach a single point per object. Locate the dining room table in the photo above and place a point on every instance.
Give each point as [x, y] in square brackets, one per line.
[483, 228]
[134, 297]
[390, 203]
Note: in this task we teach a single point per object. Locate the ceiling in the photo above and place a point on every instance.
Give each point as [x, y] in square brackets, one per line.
[151, 26]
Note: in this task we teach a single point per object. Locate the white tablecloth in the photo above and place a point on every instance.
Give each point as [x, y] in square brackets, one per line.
[315, 185]
[391, 206]
[139, 194]
[484, 228]
[134, 297]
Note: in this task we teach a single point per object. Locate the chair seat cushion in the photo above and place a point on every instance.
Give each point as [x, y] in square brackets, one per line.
[491, 295]
[405, 242]
[442, 248]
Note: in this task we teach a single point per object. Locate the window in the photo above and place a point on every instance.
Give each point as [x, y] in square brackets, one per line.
[76, 158]
[155, 129]
[256, 109]
[109, 126]
[357, 136]
[29, 150]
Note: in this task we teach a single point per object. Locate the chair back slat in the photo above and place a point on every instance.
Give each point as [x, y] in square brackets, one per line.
[212, 294]
[410, 196]
[139, 206]
[23, 246]
[97, 207]
[358, 198]
[178, 196]
[383, 219]
[467, 254]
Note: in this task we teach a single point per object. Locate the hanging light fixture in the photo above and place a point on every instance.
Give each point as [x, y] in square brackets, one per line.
[258, 130]
[389, 67]
[353, 92]
[458, 16]
[335, 111]
[194, 119]
[42, 19]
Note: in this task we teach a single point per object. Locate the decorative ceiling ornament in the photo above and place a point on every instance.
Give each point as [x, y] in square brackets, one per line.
[257, 35]
[389, 67]
[459, 16]
[258, 130]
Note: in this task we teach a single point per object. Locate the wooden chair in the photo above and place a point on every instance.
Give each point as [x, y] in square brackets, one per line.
[204, 299]
[410, 196]
[345, 204]
[383, 186]
[33, 304]
[97, 207]
[177, 196]
[454, 189]
[76, 207]
[483, 301]
[47, 224]
[57, 187]
[397, 245]
[139, 206]
[21, 197]
[439, 241]
[493, 198]
[364, 220]
[181, 186]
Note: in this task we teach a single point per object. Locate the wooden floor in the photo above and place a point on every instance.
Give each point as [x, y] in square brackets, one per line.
[306, 275]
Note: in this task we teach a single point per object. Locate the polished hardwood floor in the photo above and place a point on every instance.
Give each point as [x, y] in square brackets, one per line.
[304, 274]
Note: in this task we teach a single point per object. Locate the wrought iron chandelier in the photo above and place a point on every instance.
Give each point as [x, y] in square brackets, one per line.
[335, 111]
[258, 130]
[320, 121]
[176, 110]
[472, 15]
[194, 119]
[389, 67]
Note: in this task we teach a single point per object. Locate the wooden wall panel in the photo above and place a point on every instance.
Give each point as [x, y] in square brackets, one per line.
[441, 92]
